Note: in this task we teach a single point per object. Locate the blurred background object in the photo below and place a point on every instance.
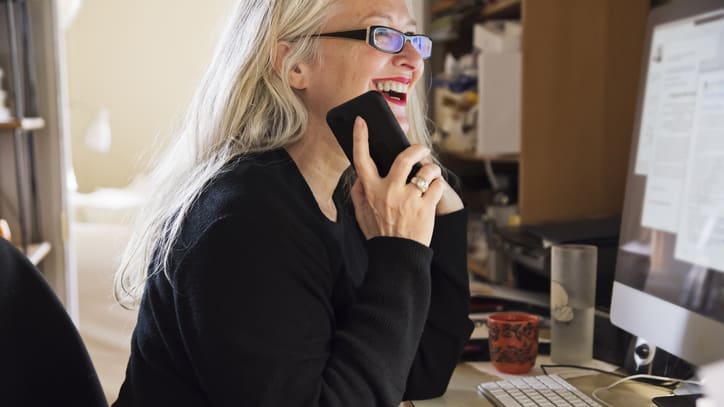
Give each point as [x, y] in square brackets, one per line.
[5, 114]
[5, 230]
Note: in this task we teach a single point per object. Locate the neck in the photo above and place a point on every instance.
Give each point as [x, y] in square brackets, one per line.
[321, 162]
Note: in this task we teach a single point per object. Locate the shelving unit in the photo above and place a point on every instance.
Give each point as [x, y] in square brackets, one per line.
[580, 69]
[469, 156]
[21, 128]
[36, 252]
[39, 136]
[501, 9]
[26, 124]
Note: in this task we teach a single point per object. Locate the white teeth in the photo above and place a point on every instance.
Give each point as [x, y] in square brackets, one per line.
[386, 86]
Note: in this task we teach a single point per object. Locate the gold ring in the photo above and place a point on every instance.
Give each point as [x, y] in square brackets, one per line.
[421, 183]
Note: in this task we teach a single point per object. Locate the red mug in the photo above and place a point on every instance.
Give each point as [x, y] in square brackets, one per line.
[513, 341]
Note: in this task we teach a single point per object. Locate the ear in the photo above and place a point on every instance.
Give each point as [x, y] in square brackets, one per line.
[297, 76]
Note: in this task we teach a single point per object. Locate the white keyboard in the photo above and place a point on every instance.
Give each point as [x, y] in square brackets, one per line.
[534, 391]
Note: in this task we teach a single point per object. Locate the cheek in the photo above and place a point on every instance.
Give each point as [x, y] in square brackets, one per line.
[358, 63]
[342, 74]
[355, 69]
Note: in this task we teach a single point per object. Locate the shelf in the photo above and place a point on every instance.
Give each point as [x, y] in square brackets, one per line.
[37, 252]
[28, 123]
[501, 9]
[507, 158]
[478, 268]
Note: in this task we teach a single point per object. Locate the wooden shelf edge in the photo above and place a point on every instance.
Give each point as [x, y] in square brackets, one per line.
[37, 252]
[511, 157]
[500, 7]
[28, 123]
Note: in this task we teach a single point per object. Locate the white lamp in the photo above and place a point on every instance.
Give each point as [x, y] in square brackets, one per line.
[98, 133]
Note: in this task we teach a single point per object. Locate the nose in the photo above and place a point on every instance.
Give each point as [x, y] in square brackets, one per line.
[409, 57]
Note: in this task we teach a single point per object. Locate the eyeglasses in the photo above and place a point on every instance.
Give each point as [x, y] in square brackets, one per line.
[387, 39]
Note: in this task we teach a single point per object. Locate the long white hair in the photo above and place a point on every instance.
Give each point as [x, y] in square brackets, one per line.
[241, 106]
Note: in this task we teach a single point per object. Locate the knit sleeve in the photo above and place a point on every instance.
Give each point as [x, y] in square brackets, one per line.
[254, 311]
[448, 326]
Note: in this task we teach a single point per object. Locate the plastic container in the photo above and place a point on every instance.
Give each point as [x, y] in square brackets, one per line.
[573, 298]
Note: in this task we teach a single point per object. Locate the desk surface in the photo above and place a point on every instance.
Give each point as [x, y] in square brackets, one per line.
[462, 391]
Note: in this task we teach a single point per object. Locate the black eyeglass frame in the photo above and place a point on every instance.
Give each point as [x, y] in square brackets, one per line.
[366, 35]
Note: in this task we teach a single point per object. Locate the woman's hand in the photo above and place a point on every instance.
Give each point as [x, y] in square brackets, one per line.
[390, 206]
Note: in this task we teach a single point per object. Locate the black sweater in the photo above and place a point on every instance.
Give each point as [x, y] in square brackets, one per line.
[270, 303]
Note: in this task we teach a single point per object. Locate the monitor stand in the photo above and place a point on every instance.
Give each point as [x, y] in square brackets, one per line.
[641, 360]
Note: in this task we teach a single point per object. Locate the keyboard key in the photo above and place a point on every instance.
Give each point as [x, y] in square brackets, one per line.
[507, 401]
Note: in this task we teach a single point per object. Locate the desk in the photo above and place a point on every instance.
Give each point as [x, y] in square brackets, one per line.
[461, 391]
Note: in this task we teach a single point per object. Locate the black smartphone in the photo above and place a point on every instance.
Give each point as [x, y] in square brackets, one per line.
[386, 137]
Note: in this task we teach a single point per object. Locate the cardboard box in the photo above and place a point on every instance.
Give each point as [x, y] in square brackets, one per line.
[499, 93]
[497, 36]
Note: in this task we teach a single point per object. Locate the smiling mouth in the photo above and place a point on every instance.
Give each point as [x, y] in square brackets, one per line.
[393, 91]
[395, 97]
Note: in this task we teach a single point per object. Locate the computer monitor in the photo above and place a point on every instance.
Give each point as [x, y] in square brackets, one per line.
[669, 280]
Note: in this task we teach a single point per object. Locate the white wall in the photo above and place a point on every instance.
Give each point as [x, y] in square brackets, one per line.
[141, 60]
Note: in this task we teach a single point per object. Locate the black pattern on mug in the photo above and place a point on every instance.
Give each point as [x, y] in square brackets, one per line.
[524, 346]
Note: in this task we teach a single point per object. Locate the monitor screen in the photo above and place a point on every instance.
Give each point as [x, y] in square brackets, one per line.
[669, 283]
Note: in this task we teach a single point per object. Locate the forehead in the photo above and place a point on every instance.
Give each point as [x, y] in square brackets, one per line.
[349, 14]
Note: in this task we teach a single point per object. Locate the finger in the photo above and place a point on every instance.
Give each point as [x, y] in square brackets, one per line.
[363, 163]
[429, 172]
[406, 160]
[435, 191]
[427, 160]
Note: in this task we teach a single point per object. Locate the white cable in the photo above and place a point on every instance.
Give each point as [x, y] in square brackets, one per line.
[637, 376]
[490, 174]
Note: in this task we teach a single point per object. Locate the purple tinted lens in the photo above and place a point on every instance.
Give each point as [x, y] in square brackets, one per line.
[387, 39]
[423, 45]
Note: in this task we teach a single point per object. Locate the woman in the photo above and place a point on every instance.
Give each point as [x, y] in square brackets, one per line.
[262, 283]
